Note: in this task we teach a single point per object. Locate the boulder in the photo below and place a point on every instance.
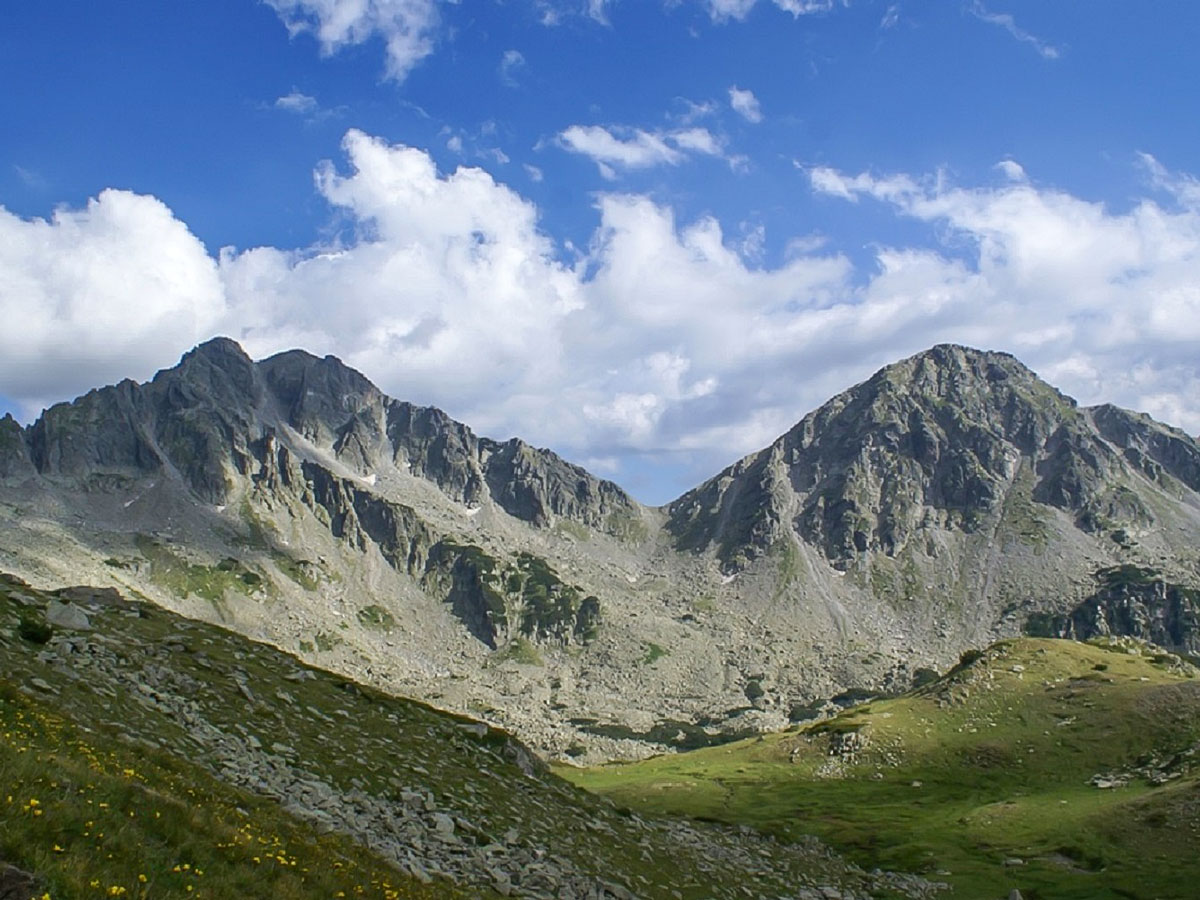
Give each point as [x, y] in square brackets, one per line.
[68, 616]
[16, 884]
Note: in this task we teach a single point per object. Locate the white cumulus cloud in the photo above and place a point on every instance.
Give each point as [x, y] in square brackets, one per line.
[638, 149]
[450, 287]
[745, 104]
[665, 341]
[618, 147]
[407, 27]
[1100, 302]
[96, 294]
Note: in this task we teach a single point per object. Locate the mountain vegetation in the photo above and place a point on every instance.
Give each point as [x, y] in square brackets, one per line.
[951, 500]
[276, 553]
[1054, 768]
[147, 755]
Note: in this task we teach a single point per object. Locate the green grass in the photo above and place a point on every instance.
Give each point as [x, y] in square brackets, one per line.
[93, 817]
[522, 651]
[572, 529]
[985, 765]
[170, 570]
[1024, 518]
[626, 526]
[301, 571]
[80, 735]
[259, 533]
[704, 604]
[326, 641]
[653, 654]
[788, 562]
[376, 618]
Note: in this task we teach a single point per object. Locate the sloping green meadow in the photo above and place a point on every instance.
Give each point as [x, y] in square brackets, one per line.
[1062, 769]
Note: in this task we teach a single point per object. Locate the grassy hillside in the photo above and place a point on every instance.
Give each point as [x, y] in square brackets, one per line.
[146, 755]
[95, 817]
[1063, 769]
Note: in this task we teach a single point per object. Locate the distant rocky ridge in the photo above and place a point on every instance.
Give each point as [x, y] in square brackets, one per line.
[936, 440]
[213, 417]
[950, 499]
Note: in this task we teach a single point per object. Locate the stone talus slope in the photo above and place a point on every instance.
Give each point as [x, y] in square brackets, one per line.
[951, 499]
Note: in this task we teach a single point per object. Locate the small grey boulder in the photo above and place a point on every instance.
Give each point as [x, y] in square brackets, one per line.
[68, 616]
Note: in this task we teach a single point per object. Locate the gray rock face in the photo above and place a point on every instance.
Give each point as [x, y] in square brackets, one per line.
[15, 464]
[360, 517]
[320, 398]
[195, 422]
[535, 485]
[68, 616]
[216, 416]
[330, 403]
[1132, 602]
[16, 884]
[1155, 449]
[934, 440]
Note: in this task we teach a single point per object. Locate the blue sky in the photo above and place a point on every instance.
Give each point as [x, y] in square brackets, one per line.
[651, 235]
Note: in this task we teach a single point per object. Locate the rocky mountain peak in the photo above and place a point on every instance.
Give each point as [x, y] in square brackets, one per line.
[318, 396]
[14, 452]
[207, 422]
[217, 349]
[944, 501]
[937, 440]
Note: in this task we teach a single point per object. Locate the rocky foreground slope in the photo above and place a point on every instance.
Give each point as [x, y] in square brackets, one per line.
[147, 755]
[950, 499]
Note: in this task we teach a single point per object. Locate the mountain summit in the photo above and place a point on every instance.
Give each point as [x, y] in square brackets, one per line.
[941, 440]
[950, 499]
[210, 421]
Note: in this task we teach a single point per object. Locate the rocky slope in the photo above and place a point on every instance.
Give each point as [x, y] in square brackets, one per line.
[951, 499]
[133, 713]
